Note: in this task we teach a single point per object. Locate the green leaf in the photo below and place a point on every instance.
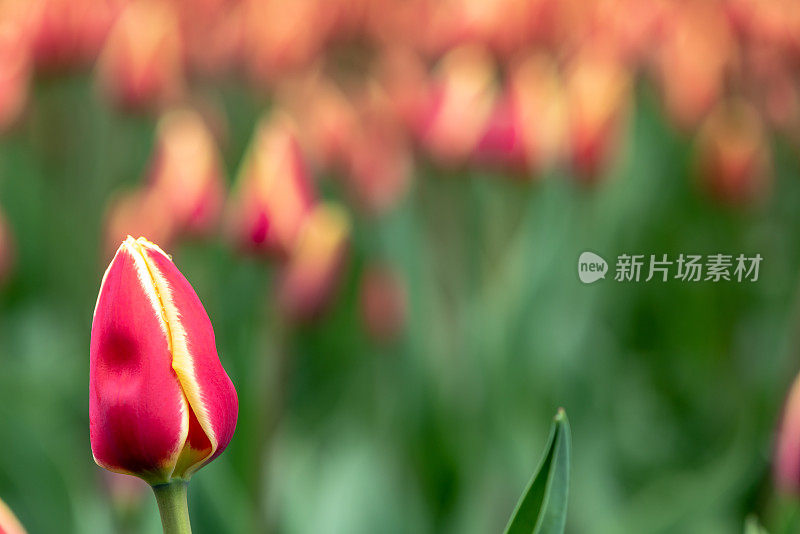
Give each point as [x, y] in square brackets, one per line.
[542, 509]
[752, 526]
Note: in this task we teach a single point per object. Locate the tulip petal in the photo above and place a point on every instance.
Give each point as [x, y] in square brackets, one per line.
[9, 524]
[139, 416]
[207, 388]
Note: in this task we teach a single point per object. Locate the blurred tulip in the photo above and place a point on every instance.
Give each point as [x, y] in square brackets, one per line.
[501, 143]
[9, 524]
[160, 404]
[315, 263]
[379, 167]
[461, 103]
[537, 91]
[187, 174]
[212, 31]
[383, 300]
[15, 61]
[137, 212]
[281, 37]
[733, 160]
[786, 464]
[774, 82]
[404, 78]
[274, 192]
[70, 33]
[697, 48]
[598, 92]
[326, 118]
[141, 65]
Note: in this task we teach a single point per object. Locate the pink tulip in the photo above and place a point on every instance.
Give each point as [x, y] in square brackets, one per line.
[160, 404]
[9, 524]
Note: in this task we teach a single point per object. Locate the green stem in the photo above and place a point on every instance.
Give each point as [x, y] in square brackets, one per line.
[172, 505]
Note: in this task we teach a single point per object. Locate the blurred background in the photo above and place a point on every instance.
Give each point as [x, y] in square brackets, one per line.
[381, 204]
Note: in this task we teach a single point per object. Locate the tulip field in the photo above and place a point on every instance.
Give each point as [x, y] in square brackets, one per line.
[399, 266]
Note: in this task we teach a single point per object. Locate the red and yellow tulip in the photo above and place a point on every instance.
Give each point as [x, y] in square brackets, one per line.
[160, 404]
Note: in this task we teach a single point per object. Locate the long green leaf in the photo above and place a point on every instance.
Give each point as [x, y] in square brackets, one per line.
[542, 509]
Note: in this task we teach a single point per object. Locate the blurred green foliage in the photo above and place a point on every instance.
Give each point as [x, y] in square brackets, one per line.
[673, 389]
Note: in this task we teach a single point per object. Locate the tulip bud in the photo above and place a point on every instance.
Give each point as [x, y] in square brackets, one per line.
[15, 62]
[187, 173]
[501, 144]
[537, 90]
[160, 404]
[597, 93]
[137, 212]
[315, 262]
[786, 466]
[733, 159]
[692, 59]
[326, 118]
[461, 104]
[273, 192]
[9, 524]
[141, 64]
[281, 37]
[378, 166]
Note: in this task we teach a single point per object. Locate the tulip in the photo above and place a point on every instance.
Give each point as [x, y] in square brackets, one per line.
[273, 193]
[461, 103]
[326, 118]
[598, 90]
[160, 404]
[378, 165]
[698, 46]
[537, 90]
[186, 173]
[786, 466]
[281, 37]
[315, 262]
[9, 524]
[733, 160]
[141, 64]
[501, 144]
[15, 62]
[137, 212]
